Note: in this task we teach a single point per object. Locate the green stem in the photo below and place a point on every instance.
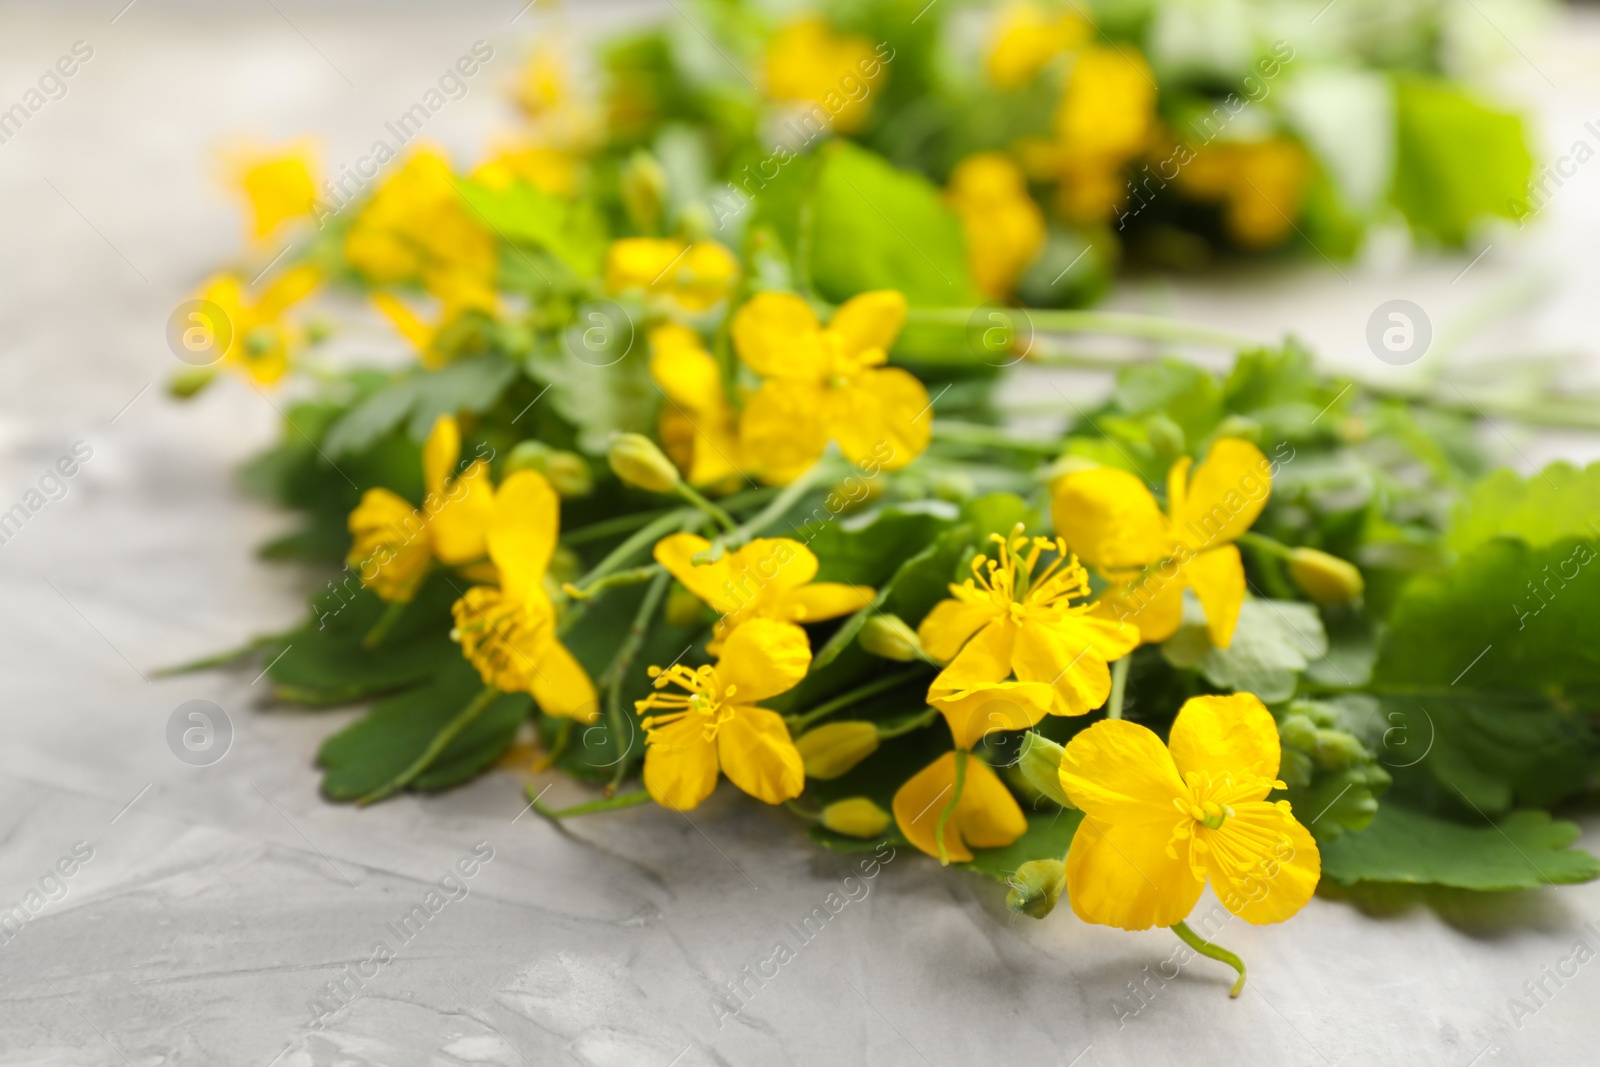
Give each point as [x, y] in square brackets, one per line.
[1262, 543]
[966, 433]
[844, 700]
[907, 724]
[220, 659]
[613, 803]
[385, 623]
[671, 522]
[1119, 686]
[695, 497]
[636, 576]
[440, 742]
[596, 531]
[1216, 952]
[962, 755]
[777, 507]
[1119, 324]
[618, 670]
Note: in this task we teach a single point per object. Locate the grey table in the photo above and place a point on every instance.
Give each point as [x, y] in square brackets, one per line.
[225, 914]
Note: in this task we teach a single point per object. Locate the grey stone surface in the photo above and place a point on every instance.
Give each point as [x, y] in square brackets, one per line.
[221, 900]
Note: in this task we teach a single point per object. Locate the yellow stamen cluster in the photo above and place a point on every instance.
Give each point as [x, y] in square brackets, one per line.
[703, 695]
[1010, 579]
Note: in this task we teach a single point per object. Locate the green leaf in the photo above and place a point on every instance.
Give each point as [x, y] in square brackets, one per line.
[1458, 161]
[1048, 836]
[1186, 394]
[371, 751]
[875, 227]
[470, 384]
[1520, 851]
[571, 231]
[613, 396]
[1274, 641]
[1560, 501]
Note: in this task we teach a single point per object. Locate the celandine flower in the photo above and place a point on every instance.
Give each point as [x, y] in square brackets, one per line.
[1027, 38]
[1110, 519]
[509, 632]
[1159, 820]
[277, 185]
[985, 814]
[809, 61]
[696, 275]
[698, 427]
[824, 384]
[416, 227]
[1004, 228]
[713, 720]
[769, 578]
[260, 343]
[393, 543]
[1261, 185]
[1013, 617]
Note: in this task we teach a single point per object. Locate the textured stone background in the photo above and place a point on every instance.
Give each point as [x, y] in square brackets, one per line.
[220, 900]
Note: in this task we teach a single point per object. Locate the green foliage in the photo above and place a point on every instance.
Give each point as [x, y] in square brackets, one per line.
[1273, 642]
[570, 230]
[418, 400]
[1048, 837]
[1560, 501]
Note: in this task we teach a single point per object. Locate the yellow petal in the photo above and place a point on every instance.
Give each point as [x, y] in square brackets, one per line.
[390, 545]
[1065, 657]
[413, 329]
[704, 275]
[882, 416]
[763, 658]
[979, 710]
[870, 320]
[777, 336]
[1152, 604]
[522, 535]
[680, 766]
[758, 755]
[460, 523]
[562, 687]
[1120, 875]
[504, 637]
[1280, 877]
[1226, 735]
[986, 816]
[440, 452]
[1119, 772]
[769, 566]
[293, 286]
[823, 600]
[1110, 519]
[781, 430]
[1225, 495]
[946, 628]
[710, 582]
[1217, 578]
[684, 370]
[983, 660]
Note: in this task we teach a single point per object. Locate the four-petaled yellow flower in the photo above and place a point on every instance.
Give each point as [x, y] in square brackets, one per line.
[1004, 228]
[769, 578]
[696, 275]
[416, 227]
[809, 61]
[394, 543]
[715, 722]
[509, 632]
[1112, 522]
[1106, 117]
[549, 170]
[829, 383]
[1260, 185]
[1159, 820]
[259, 343]
[277, 185]
[458, 295]
[1027, 38]
[698, 427]
[1013, 619]
[986, 814]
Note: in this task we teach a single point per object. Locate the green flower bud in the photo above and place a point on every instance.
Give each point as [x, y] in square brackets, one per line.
[1165, 436]
[1036, 886]
[1039, 760]
[637, 461]
[1336, 749]
[889, 636]
[567, 472]
[831, 750]
[643, 184]
[1324, 578]
[1298, 731]
[855, 817]
[189, 381]
[683, 607]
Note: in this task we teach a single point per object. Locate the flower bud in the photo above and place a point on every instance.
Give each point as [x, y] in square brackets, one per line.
[567, 472]
[831, 750]
[855, 817]
[1039, 760]
[1036, 886]
[638, 462]
[683, 607]
[1336, 749]
[643, 184]
[889, 636]
[1298, 731]
[1324, 578]
[189, 381]
[1165, 436]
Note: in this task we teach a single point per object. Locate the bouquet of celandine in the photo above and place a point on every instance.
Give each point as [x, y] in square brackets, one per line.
[654, 510]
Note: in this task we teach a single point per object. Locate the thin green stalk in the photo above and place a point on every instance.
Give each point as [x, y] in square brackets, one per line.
[854, 696]
[777, 506]
[220, 659]
[619, 667]
[1262, 543]
[636, 576]
[440, 742]
[1114, 323]
[962, 755]
[647, 537]
[966, 433]
[596, 531]
[907, 724]
[380, 629]
[1119, 686]
[1216, 952]
[695, 497]
[613, 803]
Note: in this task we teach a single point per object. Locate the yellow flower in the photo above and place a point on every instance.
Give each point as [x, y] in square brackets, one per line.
[509, 632]
[277, 185]
[1159, 820]
[1106, 117]
[416, 227]
[1004, 228]
[1109, 519]
[1027, 38]
[807, 61]
[1012, 618]
[698, 428]
[542, 87]
[986, 814]
[549, 170]
[715, 721]
[1259, 184]
[259, 343]
[769, 578]
[458, 295]
[855, 817]
[695, 275]
[828, 383]
[393, 543]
